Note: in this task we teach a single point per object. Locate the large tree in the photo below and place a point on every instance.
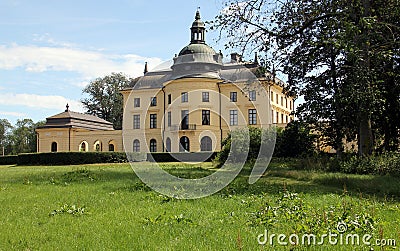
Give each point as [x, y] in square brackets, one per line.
[342, 56]
[104, 99]
[5, 128]
[23, 137]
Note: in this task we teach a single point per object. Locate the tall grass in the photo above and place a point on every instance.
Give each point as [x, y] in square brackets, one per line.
[106, 207]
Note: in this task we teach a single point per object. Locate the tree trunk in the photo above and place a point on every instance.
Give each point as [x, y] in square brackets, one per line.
[365, 139]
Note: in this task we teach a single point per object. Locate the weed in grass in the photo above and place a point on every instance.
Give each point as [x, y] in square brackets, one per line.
[290, 211]
[167, 220]
[27, 181]
[79, 175]
[69, 209]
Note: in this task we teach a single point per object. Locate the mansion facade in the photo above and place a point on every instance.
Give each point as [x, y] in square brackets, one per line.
[190, 106]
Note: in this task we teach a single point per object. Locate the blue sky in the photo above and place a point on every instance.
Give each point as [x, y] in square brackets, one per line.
[49, 50]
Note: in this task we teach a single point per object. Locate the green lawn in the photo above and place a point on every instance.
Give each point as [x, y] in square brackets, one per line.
[103, 207]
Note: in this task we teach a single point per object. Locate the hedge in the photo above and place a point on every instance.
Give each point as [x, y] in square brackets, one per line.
[182, 156]
[8, 160]
[71, 158]
[77, 158]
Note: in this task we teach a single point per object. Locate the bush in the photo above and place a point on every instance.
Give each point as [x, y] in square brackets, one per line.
[186, 157]
[9, 160]
[381, 164]
[71, 158]
[294, 141]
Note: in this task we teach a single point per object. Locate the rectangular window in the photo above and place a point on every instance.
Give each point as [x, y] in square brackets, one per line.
[153, 101]
[272, 96]
[136, 102]
[252, 95]
[206, 97]
[233, 117]
[136, 121]
[184, 97]
[233, 96]
[281, 101]
[205, 117]
[169, 99]
[277, 101]
[277, 117]
[272, 116]
[252, 116]
[282, 118]
[286, 102]
[184, 119]
[169, 119]
[153, 121]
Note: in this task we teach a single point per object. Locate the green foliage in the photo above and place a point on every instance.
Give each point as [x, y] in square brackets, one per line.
[380, 164]
[185, 157]
[8, 160]
[342, 56]
[104, 99]
[299, 216]
[251, 136]
[295, 140]
[70, 158]
[120, 213]
[5, 128]
[21, 138]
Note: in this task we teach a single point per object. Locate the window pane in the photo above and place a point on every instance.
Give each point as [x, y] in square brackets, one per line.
[206, 97]
[206, 144]
[153, 145]
[136, 102]
[205, 117]
[153, 101]
[153, 120]
[184, 97]
[184, 119]
[136, 121]
[252, 116]
[252, 95]
[169, 119]
[233, 117]
[136, 145]
[233, 96]
[169, 99]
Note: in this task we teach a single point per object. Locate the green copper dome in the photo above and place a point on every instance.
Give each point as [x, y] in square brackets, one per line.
[197, 48]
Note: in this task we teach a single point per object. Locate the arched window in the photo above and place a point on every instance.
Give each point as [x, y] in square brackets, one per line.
[184, 145]
[206, 144]
[153, 145]
[136, 145]
[97, 146]
[83, 147]
[168, 145]
[54, 147]
[111, 147]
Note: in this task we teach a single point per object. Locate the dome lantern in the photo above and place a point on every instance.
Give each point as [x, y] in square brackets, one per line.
[198, 30]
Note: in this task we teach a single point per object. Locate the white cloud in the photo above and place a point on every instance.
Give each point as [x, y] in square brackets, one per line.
[39, 101]
[13, 114]
[90, 64]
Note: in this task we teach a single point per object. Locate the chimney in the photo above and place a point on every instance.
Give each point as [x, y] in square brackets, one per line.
[236, 58]
[256, 58]
[145, 68]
